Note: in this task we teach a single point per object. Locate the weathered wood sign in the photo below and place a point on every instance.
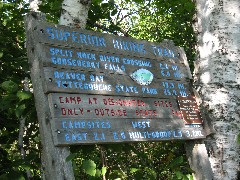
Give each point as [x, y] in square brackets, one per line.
[104, 88]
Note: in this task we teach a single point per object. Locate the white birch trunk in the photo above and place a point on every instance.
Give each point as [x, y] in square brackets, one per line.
[217, 77]
[34, 5]
[75, 13]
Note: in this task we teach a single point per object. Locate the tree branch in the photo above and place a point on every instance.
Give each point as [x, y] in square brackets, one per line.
[22, 130]
[104, 28]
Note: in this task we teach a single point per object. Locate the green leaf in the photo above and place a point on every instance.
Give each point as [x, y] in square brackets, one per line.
[189, 176]
[4, 177]
[26, 167]
[133, 170]
[9, 86]
[12, 175]
[8, 101]
[71, 156]
[151, 173]
[98, 173]
[176, 162]
[19, 110]
[179, 175]
[23, 95]
[97, 1]
[89, 167]
[1, 53]
[104, 170]
[114, 12]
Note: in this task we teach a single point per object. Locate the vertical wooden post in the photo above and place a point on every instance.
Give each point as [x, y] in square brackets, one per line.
[53, 158]
[195, 149]
[198, 160]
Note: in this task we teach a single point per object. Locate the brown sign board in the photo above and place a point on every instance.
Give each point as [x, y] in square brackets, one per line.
[63, 36]
[82, 118]
[99, 106]
[189, 110]
[110, 63]
[74, 81]
[103, 88]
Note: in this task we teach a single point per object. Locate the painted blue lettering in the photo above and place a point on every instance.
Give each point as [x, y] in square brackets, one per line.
[91, 77]
[162, 134]
[123, 88]
[96, 78]
[165, 73]
[129, 46]
[111, 59]
[66, 35]
[52, 51]
[146, 90]
[140, 124]
[76, 37]
[76, 137]
[174, 92]
[166, 52]
[167, 92]
[77, 124]
[115, 44]
[59, 34]
[64, 124]
[177, 74]
[83, 39]
[157, 51]
[85, 55]
[113, 67]
[181, 86]
[165, 84]
[69, 75]
[135, 62]
[70, 125]
[99, 137]
[115, 136]
[95, 40]
[67, 138]
[123, 136]
[102, 41]
[74, 62]
[183, 93]
[174, 67]
[134, 124]
[50, 32]
[163, 66]
[177, 133]
[171, 85]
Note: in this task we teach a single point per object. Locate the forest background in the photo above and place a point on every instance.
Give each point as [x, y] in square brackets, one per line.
[20, 146]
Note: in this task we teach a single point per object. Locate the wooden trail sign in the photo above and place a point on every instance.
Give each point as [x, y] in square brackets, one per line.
[103, 88]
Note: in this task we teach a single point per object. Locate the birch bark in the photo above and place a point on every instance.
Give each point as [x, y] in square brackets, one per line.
[75, 13]
[217, 78]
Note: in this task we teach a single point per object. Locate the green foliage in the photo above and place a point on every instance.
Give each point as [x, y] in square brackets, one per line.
[9, 86]
[52, 9]
[89, 167]
[15, 104]
[131, 161]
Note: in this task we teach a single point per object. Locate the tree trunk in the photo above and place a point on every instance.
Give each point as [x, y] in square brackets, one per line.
[53, 158]
[217, 79]
[54, 165]
[75, 13]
